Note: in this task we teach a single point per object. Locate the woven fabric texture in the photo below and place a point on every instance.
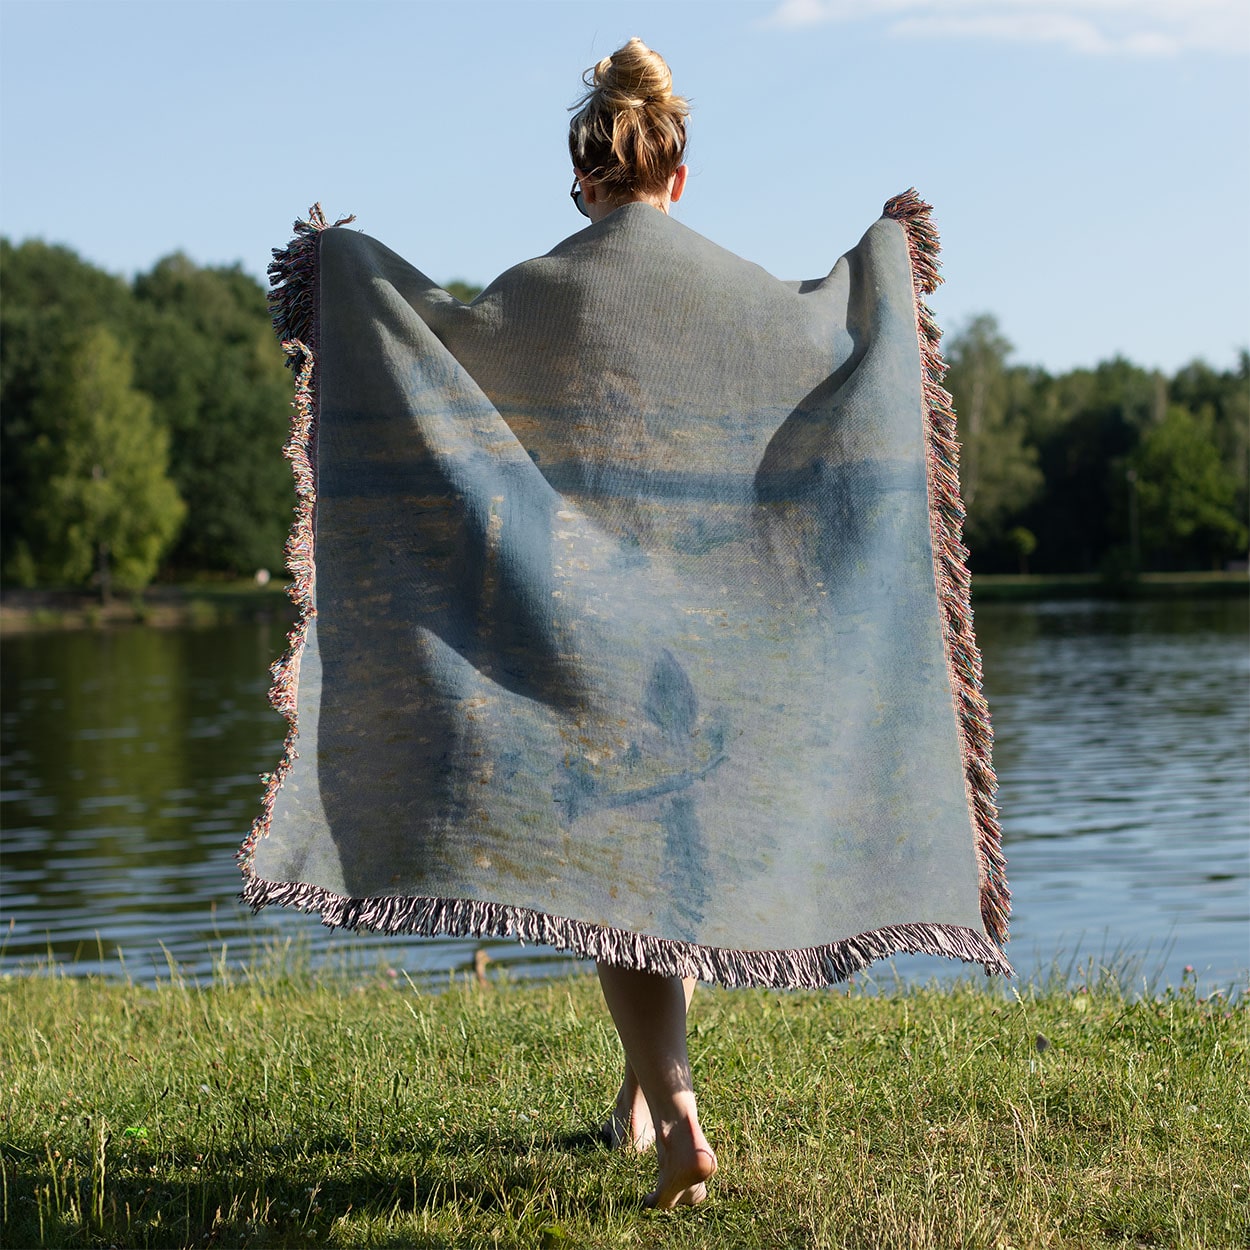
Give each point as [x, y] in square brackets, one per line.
[625, 622]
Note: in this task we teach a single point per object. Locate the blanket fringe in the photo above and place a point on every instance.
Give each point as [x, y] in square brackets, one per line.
[954, 584]
[293, 304]
[810, 968]
[293, 281]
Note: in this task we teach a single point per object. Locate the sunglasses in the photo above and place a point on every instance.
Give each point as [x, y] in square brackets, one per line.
[576, 196]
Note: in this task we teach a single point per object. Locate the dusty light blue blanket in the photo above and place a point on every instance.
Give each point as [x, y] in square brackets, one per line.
[629, 620]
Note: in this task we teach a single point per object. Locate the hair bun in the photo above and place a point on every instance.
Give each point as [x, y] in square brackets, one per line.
[629, 129]
[633, 76]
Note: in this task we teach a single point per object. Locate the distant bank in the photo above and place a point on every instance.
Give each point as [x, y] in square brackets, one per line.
[217, 603]
[169, 606]
[1001, 587]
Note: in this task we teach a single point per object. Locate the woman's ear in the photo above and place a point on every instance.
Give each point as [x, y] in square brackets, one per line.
[678, 184]
[589, 186]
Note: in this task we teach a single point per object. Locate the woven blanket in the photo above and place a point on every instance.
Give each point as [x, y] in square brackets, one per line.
[634, 617]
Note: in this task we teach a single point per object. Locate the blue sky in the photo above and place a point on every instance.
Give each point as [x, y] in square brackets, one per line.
[1087, 159]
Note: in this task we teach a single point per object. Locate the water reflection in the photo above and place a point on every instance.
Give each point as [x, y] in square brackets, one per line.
[1123, 733]
[131, 762]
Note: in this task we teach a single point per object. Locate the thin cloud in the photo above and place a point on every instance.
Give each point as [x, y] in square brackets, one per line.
[1134, 28]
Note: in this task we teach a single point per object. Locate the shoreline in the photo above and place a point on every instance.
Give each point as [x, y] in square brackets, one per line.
[174, 606]
[204, 604]
[1034, 587]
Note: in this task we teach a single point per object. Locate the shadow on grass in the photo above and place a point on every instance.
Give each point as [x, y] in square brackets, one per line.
[294, 1193]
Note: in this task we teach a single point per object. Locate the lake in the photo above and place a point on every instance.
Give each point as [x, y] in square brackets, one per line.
[131, 759]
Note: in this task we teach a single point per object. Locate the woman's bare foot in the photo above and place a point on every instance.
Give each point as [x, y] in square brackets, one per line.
[649, 1011]
[686, 1165]
[629, 1126]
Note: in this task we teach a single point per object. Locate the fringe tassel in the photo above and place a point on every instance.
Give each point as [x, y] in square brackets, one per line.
[293, 303]
[293, 281]
[954, 585]
[811, 968]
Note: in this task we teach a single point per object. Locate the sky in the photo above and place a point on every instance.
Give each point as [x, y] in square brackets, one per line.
[1088, 160]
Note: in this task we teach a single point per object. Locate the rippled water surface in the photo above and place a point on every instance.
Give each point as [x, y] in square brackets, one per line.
[1123, 750]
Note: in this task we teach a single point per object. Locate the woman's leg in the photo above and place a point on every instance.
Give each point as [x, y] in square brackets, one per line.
[629, 1126]
[649, 1012]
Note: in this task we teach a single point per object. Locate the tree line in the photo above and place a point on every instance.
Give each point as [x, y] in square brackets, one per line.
[140, 426]
[140, 422]
[1114, 470]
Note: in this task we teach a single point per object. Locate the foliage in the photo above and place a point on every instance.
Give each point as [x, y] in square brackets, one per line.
[1024, 543]
[100, 502]
[1113, 468]
[1187, 491]
[51, 298]
[1222, 400]
[207, 355]
[998, 467]
[465, 292]
[1079, 462]
[217, 398]
[276, 1108]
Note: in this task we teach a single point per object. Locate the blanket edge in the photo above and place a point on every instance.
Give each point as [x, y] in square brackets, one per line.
[809, 968]
[293, 305]
[950, 558]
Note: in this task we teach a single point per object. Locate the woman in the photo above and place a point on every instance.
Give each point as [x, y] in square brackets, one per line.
[628, 141]
[640, 625]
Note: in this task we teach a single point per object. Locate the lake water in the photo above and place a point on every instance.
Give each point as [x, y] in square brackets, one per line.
[131, 757]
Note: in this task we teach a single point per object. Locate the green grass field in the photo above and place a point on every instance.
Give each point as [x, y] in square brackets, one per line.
[281, 1108]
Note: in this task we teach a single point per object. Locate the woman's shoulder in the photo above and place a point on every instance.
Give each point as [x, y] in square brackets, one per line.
[638, 244]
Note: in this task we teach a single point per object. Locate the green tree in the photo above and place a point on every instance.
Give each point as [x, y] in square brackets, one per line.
[51, 297]
[1223, 399]
[207, 356]
[1186, 493]
[1024, 543]
[997, 466]
[465, 292]
[103, 505]
[1087, 423]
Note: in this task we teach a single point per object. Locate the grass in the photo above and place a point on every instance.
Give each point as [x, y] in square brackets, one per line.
[284, 1108]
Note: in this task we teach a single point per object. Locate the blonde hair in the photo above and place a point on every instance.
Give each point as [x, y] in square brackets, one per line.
[629, 131]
